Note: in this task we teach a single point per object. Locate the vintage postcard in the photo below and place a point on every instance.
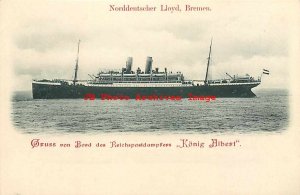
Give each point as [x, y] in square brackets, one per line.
[150, 97]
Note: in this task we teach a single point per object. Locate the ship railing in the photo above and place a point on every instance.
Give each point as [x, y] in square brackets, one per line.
[104, 82]
[239, 83]
[59, 80]
[49, 80]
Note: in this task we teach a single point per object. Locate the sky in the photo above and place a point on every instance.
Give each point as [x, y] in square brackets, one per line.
[247, 36]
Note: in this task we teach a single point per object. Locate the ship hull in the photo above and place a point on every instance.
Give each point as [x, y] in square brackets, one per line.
[48, 91]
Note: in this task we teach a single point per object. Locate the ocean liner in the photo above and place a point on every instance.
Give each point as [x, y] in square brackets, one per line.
[129, 83]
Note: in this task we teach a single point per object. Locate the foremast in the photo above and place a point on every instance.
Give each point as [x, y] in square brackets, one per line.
[76, 66]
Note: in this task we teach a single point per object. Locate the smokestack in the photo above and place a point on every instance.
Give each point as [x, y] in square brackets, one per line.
[128, 65]
[148, 67]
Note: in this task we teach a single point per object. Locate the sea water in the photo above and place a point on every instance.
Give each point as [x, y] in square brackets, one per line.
[268, 112]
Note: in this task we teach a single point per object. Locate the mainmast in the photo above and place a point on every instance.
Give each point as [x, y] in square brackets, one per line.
[208, 62]
[76, 66]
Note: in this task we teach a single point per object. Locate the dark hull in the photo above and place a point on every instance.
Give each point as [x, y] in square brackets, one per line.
[45, 91]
